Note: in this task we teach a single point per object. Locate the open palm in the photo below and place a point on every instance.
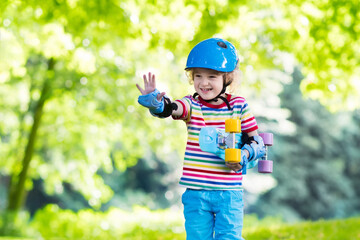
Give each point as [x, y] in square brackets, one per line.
[149, 86]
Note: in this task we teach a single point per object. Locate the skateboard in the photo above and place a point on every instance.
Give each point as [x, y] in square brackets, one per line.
[226, 144]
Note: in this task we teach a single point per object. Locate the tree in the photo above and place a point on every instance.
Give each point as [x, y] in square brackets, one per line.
[312, 164]
[68, 68]
[322, 36]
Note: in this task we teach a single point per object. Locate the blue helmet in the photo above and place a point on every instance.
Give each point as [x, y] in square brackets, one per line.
[213, 53]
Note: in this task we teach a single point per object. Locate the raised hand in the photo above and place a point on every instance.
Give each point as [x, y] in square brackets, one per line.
[149, 86]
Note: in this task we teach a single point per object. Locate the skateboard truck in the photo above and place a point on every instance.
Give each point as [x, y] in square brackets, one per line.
[265, 165]
[232, 154]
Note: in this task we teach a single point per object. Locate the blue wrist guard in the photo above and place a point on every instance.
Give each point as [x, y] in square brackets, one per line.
[256, 149]
[150, 101]
[160, 109]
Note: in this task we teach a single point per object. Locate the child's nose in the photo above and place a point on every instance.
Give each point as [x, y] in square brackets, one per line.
[205, 81]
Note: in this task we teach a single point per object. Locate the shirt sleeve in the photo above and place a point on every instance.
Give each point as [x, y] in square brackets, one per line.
[248, 121]
[186, 104]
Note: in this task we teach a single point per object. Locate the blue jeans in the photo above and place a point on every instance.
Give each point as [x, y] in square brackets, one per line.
[213, 214]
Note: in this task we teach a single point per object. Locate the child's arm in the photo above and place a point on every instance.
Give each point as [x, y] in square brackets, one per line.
[155, 101]
[179, 111]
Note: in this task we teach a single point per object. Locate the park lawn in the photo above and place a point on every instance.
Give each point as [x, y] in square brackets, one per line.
[342, 229]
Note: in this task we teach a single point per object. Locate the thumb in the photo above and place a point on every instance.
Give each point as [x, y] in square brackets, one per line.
[160, 96]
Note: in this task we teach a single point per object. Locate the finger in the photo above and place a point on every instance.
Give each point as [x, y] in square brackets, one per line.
[160, 96]
[140, 89]
[150, 78]
[153, 82]
[145, 80]
[234, 166]
[238, 167]
[231, 164]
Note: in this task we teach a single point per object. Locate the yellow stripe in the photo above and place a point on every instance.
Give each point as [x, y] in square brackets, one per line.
[246, 116]
[204, 166]
[197, 113]
[217, 119]
[193, 138]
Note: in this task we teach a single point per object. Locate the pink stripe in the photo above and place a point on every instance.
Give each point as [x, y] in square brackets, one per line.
[216, 124]
[193, 143]
[251, 129]
[248, 125]
[193, 149]
[237, 100]
[211, 177]
[197, 124]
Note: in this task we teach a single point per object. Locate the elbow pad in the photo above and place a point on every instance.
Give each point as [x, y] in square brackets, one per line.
[256, 149]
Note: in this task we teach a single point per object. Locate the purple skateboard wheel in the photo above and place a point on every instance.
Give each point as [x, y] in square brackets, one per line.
[268, 138]
[265, 166]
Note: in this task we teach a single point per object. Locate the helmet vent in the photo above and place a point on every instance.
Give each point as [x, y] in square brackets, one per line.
[222, 44]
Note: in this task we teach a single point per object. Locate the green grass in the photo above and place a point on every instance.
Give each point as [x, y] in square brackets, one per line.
[344, 229]
[15, 238]
[142, 224]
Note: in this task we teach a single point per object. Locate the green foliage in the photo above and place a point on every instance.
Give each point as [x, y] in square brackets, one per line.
[315, 163]
[90, 119]
[113, 224]
[15, 224]
[322, 36]
[54, 223]
[156, 188]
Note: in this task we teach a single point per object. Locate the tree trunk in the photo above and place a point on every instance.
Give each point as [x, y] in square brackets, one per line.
[17, 185]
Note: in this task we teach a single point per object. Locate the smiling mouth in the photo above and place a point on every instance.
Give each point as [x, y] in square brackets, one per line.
[206, 89]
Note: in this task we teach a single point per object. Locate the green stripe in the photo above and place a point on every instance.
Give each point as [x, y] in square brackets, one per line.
[245, 111]
[188, 101]
[204, 161]
[217, 114]
[194, 134]
[196, 108]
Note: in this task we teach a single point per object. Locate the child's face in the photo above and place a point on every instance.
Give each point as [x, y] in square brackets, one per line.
[208, 83]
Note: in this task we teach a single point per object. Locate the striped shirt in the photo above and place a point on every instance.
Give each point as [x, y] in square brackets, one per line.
[202, 170]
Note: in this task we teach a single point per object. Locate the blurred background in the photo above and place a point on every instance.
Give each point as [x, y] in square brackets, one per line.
[80, 158]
